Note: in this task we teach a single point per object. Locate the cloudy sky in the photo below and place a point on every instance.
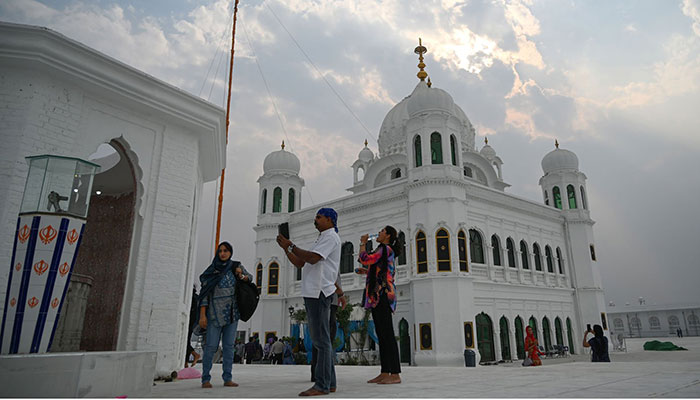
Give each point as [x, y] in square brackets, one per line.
[617, 82]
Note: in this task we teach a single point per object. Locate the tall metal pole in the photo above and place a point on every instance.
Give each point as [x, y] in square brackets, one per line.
[228, 111]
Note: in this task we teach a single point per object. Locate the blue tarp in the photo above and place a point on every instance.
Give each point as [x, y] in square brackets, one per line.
[354, 326]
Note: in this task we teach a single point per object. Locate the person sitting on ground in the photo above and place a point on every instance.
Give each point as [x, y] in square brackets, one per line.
[532, 347]
[598, 344]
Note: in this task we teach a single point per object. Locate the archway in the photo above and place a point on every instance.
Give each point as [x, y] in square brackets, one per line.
[546, 333]
[484, 335]
[558, 332]
[519, 338]
[104, 253]
[569, 335]
[505, 339]
[533, 325]
[404, 341]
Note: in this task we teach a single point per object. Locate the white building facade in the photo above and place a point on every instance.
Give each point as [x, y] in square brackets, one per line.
[60, 97]
[655, 320]
[479, 264]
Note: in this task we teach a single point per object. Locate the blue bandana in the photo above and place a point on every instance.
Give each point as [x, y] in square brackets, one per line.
[330, 213]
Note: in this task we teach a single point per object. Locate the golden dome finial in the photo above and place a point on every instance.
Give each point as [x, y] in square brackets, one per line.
[556, 143]
[486, 140]
[365, 142]
[430, 84]
[420, 50]
[283, 145]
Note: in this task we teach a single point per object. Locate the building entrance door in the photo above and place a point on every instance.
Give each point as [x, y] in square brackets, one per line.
[519, 341]
[484, 334]
[505, 339]
[404, 341]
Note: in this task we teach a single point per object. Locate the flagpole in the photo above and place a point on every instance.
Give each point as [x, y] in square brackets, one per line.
[228, 110]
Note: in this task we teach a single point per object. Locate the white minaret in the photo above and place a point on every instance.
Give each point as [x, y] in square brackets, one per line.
[279, 195]
[564, 187]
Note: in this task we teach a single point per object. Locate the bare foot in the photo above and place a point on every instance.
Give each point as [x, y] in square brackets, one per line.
[379, 377]
[196, 358]
[392, 379]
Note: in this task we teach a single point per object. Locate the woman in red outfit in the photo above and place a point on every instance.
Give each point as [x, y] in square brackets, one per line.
[380, 298]
[531, 346]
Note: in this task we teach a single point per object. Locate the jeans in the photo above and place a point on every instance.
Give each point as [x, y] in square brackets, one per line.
[333, 328]
[227, 335]
[318, 312]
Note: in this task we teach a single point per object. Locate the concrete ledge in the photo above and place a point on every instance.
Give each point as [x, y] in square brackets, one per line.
[89, 374]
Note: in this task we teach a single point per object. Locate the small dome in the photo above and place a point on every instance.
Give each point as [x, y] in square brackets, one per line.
[281, 161]
[426, 98]
[366, 154]
[487, 151]
[559, 159]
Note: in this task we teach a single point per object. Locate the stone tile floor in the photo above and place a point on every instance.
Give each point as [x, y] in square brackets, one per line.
[636, 373]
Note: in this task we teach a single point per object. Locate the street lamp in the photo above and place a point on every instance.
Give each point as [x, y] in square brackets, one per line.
[291, 312]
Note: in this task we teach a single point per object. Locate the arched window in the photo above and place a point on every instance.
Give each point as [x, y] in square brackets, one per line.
[453, 149]
[258, 275]
[435, 148]
[635, 323]
[533, 324]
[571, 195]
[538, 256]
[421, 253]
[402, 255]
[557, 197]
[273, 276]
[292, 197]
[510, 246]
[396, 173]
[346, 258]
[263, 204]
[468, 172]
[462, 246]
[654, 323]
[496, 248]
[559, 263]
[442, 245]
[570, 336]
[558, 332]
[674, 323]
[277, 200]
[476, 246]
[693, 321]
[548, 256]
[546, 198]
[524, 256]
[618, 324]
[417, 151]
[547, 333]
[583, 198]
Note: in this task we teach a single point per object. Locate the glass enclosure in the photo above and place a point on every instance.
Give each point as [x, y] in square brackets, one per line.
[58, 184]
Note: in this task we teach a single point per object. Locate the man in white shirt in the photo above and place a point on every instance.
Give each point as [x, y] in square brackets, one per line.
[318, 275]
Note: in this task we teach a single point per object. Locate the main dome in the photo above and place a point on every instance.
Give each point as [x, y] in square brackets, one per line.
[423, 99]
[281, 161]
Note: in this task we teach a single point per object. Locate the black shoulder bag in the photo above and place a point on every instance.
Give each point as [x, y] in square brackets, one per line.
[247, 296]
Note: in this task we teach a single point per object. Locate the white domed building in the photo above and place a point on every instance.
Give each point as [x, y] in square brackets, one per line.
[479, 264]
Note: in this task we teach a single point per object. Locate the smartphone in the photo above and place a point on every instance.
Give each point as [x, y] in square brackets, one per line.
[588, 327]
[283, 229]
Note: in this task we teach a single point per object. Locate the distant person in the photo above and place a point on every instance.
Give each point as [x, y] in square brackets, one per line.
[532, 347]
[598, 344]
[288, 354]
[194, 318]
[380, 298]
[266, 349]
[218, 313]
[277, 351]
[679, 332]
[250, 350]
[240, 351]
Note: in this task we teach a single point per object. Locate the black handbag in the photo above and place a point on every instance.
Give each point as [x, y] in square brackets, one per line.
[247, 297]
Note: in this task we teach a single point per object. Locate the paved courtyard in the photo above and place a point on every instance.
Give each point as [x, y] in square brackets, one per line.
[636, 373]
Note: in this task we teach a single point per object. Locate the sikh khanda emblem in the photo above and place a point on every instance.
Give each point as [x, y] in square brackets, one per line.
[63, 269]
[13, 302]
[72, 237]
[54, 303]
[48, 234]
[18, 266]
[33, 302]
[23, 234]
[41, 267]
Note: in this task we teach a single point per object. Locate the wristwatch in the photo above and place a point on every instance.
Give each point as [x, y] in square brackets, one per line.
[290, 248]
